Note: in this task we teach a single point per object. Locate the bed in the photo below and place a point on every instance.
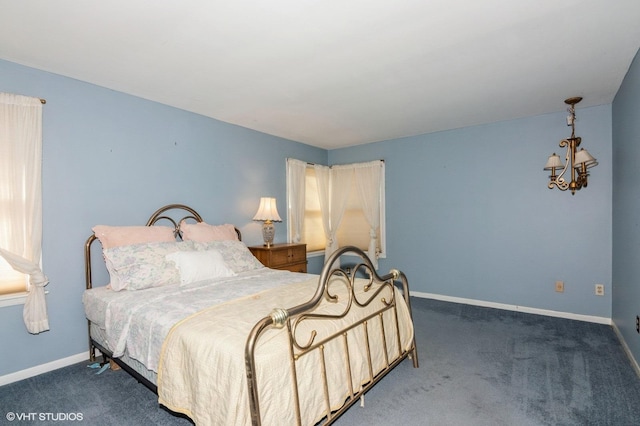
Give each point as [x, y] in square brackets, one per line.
[224, 340]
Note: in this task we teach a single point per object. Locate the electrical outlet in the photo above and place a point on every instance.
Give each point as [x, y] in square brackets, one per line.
[599, 289]
[637, 324]
[560, 286]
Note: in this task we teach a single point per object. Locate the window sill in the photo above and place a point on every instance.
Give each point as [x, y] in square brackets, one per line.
[14, 299]
[315, 253]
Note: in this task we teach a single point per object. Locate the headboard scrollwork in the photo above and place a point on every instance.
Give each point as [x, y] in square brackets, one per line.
[158, 216]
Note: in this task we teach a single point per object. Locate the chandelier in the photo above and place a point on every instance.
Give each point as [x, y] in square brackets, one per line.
[576, 161]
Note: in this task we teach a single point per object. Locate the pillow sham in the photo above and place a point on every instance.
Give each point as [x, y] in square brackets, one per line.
[116, 236]
[203, 232]
[200, 265]
[141, 266]
[235, 254]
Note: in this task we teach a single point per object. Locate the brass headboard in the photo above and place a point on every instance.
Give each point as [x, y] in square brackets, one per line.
[157, 216]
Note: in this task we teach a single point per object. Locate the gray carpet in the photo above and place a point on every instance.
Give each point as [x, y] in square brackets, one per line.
[482, 366]
[478, 366]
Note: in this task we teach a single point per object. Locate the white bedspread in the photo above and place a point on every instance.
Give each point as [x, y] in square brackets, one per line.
[138, 321]
[202, 369]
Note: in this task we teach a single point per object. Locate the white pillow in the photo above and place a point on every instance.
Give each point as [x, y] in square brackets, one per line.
[235, 253]
[200, 265]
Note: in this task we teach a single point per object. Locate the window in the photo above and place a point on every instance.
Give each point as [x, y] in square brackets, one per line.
[21, 206]
[312, 231]
[332, 207]
[11, 281]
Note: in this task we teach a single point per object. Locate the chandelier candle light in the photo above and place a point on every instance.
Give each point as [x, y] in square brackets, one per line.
[267, 213]
[578, 161]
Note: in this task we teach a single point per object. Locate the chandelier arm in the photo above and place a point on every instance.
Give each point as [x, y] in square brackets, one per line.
[583, 177]
[560, 181]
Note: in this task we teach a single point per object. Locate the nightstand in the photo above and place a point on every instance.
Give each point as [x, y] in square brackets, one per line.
[291, 257]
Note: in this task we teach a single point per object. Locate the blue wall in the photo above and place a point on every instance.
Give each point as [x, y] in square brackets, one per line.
[468, 211]
[626, 207]
[469, 214]
[114, 159]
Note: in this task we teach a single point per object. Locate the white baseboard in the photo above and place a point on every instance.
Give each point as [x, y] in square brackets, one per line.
[623, 342]
[43, 368]
[537, 311]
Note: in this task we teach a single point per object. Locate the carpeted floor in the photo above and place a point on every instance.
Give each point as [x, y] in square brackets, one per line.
[478, 366]
[482, 366]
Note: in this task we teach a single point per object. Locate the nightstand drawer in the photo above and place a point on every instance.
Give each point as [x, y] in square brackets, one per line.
[292, 257]
[288, 255]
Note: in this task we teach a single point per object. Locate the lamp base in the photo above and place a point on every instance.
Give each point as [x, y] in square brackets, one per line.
[268, 232]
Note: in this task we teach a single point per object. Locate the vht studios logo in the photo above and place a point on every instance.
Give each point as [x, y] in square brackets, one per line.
[45, 417]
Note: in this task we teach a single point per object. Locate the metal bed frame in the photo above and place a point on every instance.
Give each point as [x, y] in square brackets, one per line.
[299, 347]
[291, 318]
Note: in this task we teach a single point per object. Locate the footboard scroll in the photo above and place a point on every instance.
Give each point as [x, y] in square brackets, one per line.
[356, 328]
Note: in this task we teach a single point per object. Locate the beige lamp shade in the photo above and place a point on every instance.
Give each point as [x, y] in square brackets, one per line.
[268, 210]
[554, 162]
[583, 156]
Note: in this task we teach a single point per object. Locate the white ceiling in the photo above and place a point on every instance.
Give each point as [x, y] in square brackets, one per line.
[334, 73]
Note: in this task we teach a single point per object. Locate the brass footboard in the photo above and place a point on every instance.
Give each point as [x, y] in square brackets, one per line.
[312, 341]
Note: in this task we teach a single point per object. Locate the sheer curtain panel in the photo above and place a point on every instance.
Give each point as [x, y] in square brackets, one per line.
[21, 196]
[341, 178]
[296, 180]
[368, 178]
[323, 178]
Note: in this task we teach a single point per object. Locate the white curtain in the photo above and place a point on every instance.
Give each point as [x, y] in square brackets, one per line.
[296, 180]
[21, 189]
[334, 184]
[323, 179]
[368, 178]
[341, 178]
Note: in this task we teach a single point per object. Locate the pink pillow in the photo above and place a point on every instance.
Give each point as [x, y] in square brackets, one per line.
[116, 236]
[203, 233]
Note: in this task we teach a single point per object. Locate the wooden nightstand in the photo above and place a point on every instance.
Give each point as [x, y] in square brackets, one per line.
[291, 257]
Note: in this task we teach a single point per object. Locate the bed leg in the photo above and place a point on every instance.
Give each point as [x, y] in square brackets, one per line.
[92, 347]
[414, 356]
